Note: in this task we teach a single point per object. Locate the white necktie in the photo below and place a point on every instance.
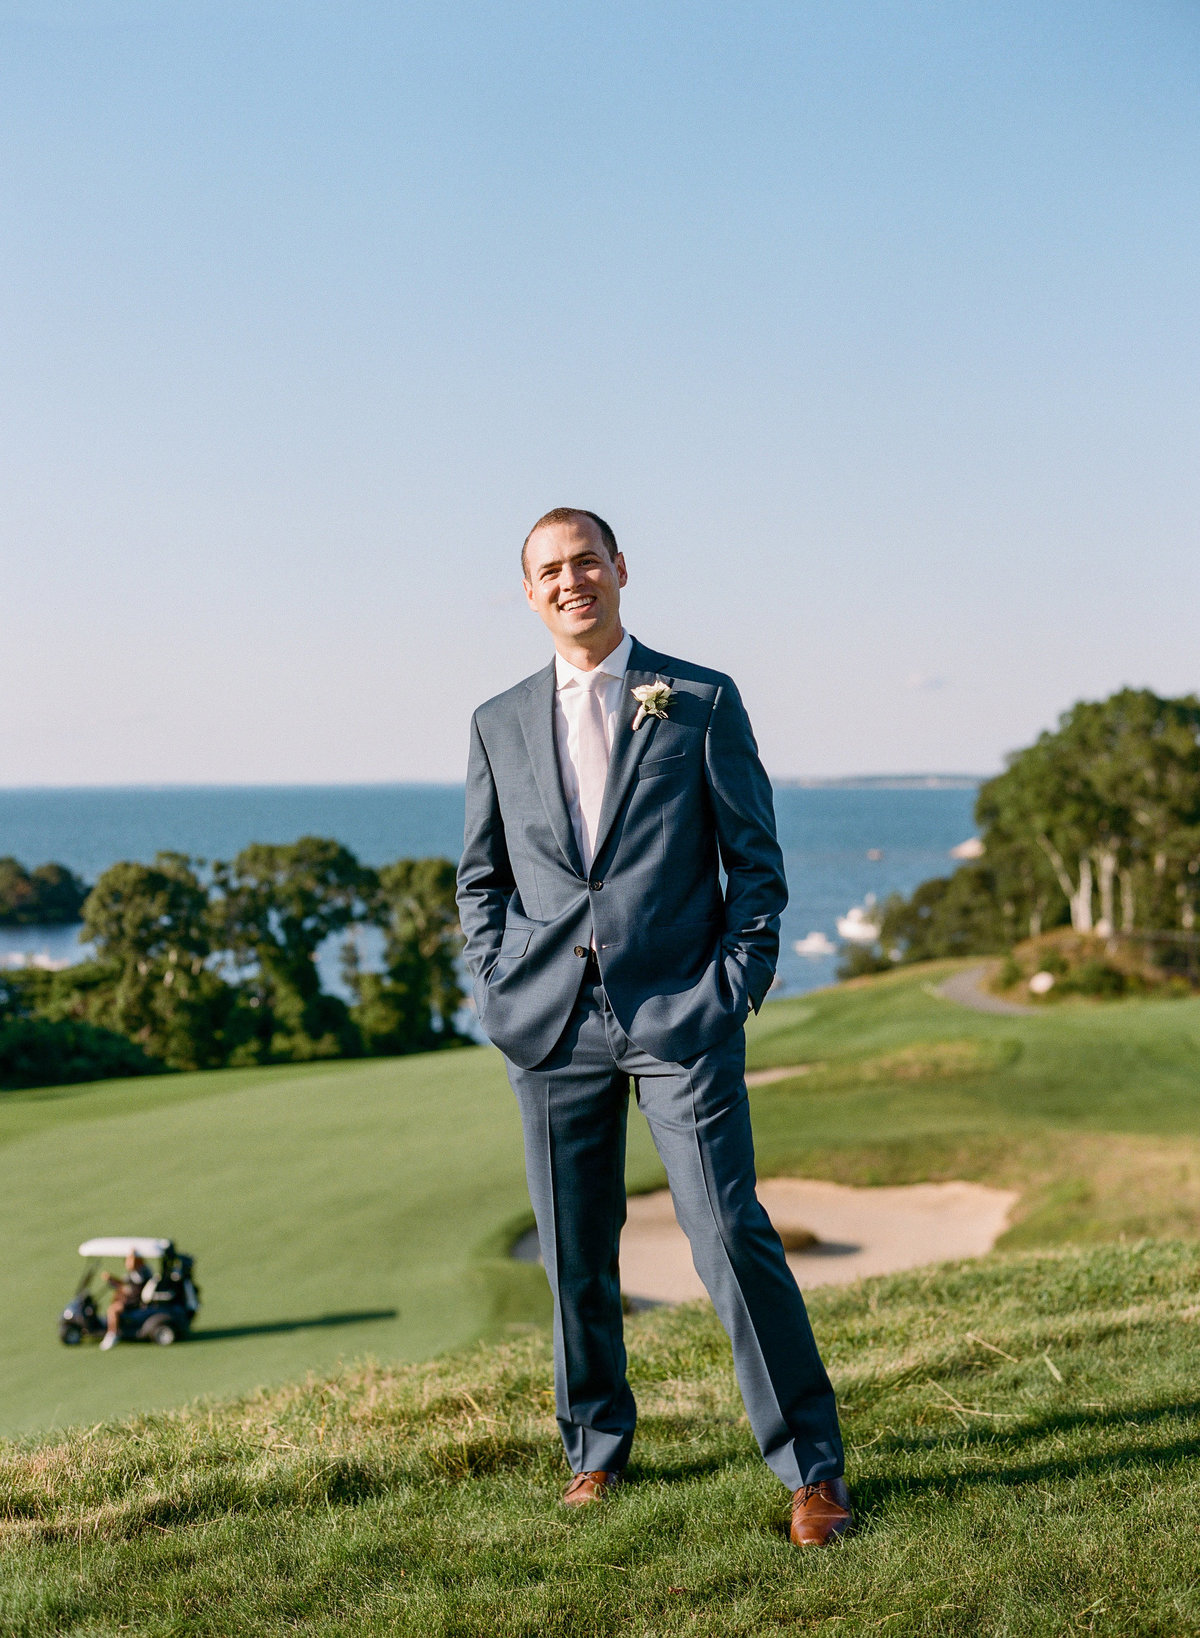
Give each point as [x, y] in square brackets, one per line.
[593, 762]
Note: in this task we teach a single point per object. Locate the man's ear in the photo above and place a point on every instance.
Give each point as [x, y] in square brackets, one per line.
[622, 575]
[528, 585]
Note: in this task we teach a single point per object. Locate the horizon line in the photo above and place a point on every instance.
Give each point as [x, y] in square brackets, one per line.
[920, 778]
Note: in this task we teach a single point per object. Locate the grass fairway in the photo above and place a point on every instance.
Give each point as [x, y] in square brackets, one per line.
[336, 1210]
[341, 1210]
[1091, 1111]
[1022, 1441]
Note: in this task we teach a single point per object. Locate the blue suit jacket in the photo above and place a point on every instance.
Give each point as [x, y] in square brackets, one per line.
[682, 961]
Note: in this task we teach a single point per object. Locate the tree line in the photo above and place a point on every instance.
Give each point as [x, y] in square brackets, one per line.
[201, 967]
[1095, 827]
[48, 896]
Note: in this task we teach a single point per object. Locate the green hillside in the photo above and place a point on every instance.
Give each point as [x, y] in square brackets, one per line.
[1091, 1110]
[1021, 1430]
[1022, 1435]
[340, 1210]
[334, 1210]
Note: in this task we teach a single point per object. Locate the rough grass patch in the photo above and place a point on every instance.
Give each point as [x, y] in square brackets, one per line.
[924, 1061]
[1021, 1434]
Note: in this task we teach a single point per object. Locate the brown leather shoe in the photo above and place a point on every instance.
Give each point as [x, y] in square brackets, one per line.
[585, 1488]
[820, 1513]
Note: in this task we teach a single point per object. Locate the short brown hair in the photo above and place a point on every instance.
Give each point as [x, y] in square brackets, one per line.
[568, 514]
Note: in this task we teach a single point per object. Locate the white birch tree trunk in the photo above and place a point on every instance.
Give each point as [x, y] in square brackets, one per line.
[1106, 863]
[1127, 901]
[1081, 907]
[1079, 898]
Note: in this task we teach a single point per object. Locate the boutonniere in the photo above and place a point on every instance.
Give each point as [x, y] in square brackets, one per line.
[653, 700]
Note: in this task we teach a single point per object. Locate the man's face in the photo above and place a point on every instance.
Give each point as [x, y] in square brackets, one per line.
[571, 581]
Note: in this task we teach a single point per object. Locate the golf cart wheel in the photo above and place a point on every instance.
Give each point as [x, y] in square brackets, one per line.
[70, 1335]
[164, 1333]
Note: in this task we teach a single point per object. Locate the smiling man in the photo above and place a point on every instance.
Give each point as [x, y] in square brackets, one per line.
[604, 796]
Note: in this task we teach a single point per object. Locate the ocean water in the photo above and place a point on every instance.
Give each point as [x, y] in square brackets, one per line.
[827, 832]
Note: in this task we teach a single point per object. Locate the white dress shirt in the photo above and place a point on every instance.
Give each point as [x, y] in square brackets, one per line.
[570, 684]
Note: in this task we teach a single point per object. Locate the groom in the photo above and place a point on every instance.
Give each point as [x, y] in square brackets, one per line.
[604, 796]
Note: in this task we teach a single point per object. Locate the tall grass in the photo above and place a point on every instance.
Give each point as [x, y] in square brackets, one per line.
[1022, 1435]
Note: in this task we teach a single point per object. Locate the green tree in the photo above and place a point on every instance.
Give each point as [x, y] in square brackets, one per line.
[1111, 800]
[959, 915]
[39, 1051]
[276, 904]
[1097, 822]
[49, 896]
[152, 979]
[17, 894]
[412, 1005]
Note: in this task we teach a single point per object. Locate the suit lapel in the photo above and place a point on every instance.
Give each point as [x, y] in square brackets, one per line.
[628, 747]
[536, 710]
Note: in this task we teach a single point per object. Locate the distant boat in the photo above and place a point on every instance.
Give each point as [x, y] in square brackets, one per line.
[34, 958]
[874, 854]
[814, 944]
[856, 926]
[972, 848]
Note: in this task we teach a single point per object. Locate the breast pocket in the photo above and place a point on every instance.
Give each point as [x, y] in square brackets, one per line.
[663, 766]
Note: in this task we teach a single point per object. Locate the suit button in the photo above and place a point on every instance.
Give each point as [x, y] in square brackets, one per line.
[580, 950]
[595, 886]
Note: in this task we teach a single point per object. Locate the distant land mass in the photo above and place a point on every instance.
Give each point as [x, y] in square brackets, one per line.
[889, 782]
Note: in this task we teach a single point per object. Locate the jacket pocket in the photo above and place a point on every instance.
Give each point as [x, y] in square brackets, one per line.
[514, 943]
[662, 765]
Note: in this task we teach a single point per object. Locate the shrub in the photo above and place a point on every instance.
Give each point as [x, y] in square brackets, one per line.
[1088, 964]
[861, 960]
[1095, 978]
[45, 1052]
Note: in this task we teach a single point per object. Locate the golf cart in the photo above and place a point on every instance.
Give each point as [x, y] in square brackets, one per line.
[168, 1304]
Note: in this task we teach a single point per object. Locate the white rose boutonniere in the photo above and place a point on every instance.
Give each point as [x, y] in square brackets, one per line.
[653, 700]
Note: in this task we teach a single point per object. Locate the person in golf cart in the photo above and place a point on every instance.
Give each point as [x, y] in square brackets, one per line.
[128, 1292]
[148, 1306]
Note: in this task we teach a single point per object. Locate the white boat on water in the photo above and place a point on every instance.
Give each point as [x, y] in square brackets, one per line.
[34, 958]
[972, 848]
[856, 926]
[814, 944]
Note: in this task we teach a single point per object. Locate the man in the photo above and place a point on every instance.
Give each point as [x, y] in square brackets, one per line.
[129, 1289]
[604, 795]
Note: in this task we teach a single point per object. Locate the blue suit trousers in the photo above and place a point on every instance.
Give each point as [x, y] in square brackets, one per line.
[573, 1110]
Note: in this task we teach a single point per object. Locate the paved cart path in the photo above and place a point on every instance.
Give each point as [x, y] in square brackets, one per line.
[967, 989]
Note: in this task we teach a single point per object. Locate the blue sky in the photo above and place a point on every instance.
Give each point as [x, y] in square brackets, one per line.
[871, 327]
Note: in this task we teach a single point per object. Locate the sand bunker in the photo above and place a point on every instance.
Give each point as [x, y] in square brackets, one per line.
[861, 1231]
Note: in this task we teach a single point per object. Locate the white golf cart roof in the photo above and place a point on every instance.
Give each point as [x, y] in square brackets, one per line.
[120, 1245]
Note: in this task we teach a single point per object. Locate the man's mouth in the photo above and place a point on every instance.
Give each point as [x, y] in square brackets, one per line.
[574, 603]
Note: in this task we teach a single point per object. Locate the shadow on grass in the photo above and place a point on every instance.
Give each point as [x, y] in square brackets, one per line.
[318, 1322]
[1011, 1463]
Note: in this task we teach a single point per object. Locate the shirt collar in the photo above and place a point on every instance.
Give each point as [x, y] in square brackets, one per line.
[615, 664]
